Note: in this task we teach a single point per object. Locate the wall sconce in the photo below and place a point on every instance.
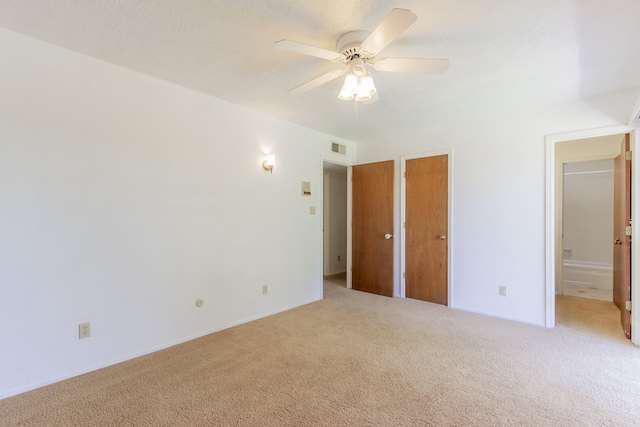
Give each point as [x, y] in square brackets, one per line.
[269, 162]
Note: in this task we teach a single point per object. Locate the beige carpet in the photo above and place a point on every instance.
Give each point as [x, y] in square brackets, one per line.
[356, 359]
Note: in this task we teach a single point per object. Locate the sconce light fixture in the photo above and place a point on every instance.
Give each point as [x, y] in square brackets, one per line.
[269, 162]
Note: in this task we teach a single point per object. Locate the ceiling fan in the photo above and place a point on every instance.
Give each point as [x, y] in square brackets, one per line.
[358, 50]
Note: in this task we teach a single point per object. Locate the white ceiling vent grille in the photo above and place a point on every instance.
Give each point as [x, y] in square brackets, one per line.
[338, 148]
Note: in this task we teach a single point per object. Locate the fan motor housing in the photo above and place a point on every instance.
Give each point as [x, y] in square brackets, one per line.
[349, 43]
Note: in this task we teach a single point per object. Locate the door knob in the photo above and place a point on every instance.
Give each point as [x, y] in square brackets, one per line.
[388, 236]
[443, 237]
[617, 241]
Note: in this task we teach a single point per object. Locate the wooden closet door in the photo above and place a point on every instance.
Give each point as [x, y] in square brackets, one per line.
[426, 229]
[372, 216]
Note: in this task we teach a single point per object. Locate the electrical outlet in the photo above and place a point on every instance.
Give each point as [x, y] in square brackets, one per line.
[503, 291]
[84, 330]
[265, 289]
[338, 257]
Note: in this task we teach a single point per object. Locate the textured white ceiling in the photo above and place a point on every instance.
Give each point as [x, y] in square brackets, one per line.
[504, 54]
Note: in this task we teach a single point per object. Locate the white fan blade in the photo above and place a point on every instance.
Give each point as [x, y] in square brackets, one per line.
[412, 65]
[306, 49]
[327, 77]
[394, 24]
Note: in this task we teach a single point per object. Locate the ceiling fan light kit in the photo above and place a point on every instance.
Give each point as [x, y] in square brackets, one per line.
[358, 50]
[358, 83]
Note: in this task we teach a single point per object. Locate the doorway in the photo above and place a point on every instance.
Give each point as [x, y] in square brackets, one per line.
[587, 229]
[334, 223]
[426, 228]
[426, 195]
[372, 254]
[568, 148]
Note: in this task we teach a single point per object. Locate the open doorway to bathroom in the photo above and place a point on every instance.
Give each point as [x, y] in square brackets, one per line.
[334, 220]
[585, 212]
[587, 230]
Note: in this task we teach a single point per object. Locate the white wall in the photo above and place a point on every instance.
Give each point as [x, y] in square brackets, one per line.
[124, 198]
[498, 218]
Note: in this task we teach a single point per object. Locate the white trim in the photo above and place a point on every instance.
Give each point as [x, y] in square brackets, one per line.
[634, 121]
[550, 218]
[403, 189]
[349, 227]
[325, 212]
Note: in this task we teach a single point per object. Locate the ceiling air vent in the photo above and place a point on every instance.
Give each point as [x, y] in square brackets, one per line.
[338, 148]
